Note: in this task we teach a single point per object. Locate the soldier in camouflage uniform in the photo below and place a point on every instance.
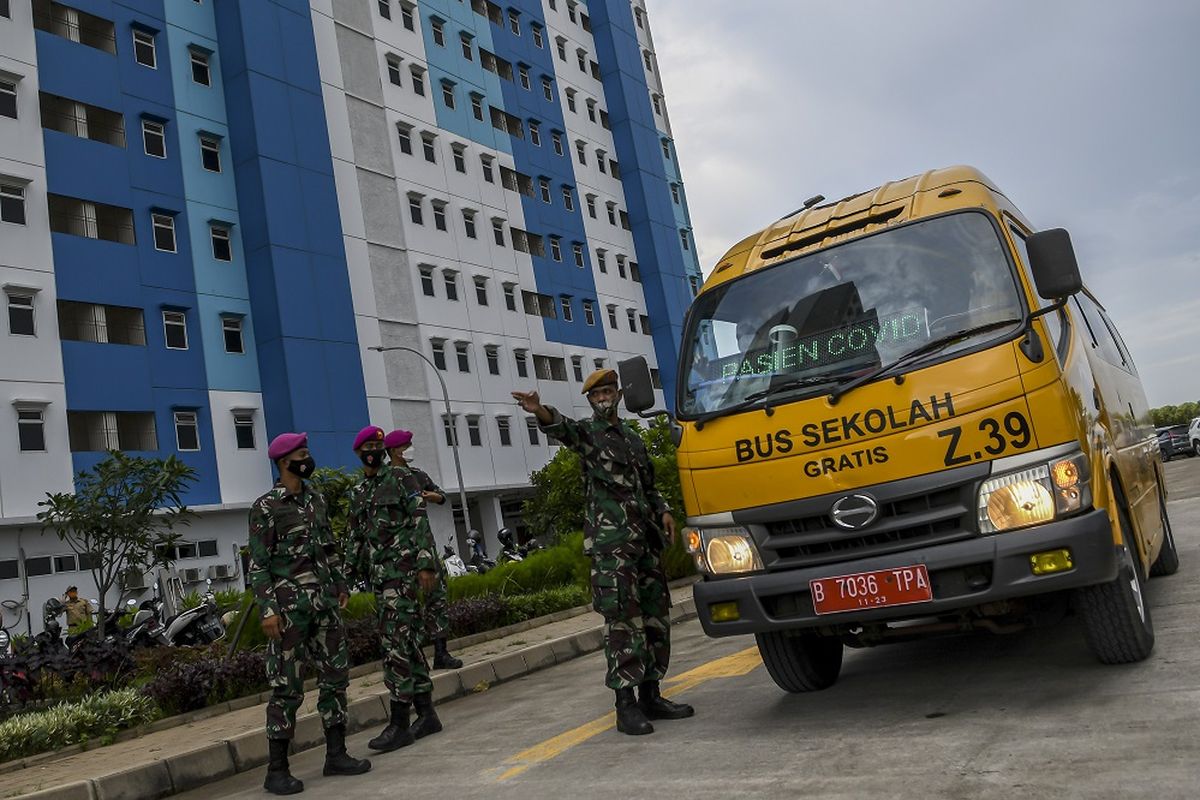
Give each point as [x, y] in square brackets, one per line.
[627, 526]
[435, 606]
[296, 575]
[394, 555]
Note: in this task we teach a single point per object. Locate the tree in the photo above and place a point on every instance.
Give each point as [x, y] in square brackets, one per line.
[122, 515]
[1175, 415]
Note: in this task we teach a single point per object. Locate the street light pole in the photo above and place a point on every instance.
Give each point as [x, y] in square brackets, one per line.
[462, 491]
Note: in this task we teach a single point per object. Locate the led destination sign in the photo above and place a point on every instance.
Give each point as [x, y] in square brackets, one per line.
[827, 347]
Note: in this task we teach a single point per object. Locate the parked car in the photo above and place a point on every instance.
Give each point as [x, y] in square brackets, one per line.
[1194, 436]
[1173, 440]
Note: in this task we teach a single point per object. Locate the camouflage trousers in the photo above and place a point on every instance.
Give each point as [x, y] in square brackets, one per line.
[435, 609]
[629, 588]
[405, 670]
[311, 630]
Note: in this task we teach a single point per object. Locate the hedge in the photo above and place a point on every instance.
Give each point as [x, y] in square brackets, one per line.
[99, 716]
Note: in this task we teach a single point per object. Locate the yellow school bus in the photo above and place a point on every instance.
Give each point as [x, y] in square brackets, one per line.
[903, 414]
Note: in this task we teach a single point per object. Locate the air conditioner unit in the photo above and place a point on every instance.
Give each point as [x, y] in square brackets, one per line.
[133, 580]
[220, 572]
[192, 575]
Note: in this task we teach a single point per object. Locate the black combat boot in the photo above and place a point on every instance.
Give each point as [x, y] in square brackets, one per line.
[279, 779]
[337, 760]
[630, 717]
[442, 658]
[655, 706]
[427, 721]
[396, 734]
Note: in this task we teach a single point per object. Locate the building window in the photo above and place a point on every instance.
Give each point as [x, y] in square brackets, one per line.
[427, 281]
[12, 204]
[448, 94]
[567, 314]
[414, 209]
[532, 426]
[602, 260]
[514, 22]
[406, 16]
[555, 249]
[657, 104]
[639, 15]
[577, 249]
[385, 9]
[450, 429]
[462, 353]
[666, 148]
[591, 107]
[473, 435]
[93, 431]
[418, 80]
[577, 368]
[222, 249]
[561, 46]
[498, 231]
[450, 281]
[538, 40]
[591, 205]
[201, 73]
[635, 274]
[175, 330]
[437, 27]
[439, 214]
[20, 314]
[187, 433]
[477, 106]
[64, 563]
[568, 198]
[544, 188]
[481, 295]
[439, 353]
[210, 153]
[612, 213]
[154, 138]
[612, 317]
[493, 358]
[88, 322]
[589, 312]
[469, 223]
[510, 297]
[571, 100]
[8, 99]
[502, 427]
[404, 133]
[485, 164]
[467, 52]
[243, 429]
[548, 88]
[581, 151]
[683, 239]
[631, 314]
[393, 68]
[164, 232]
[535, 133]
[143, 49]
[231, 329]
[522, 364]
[675, 193]
[581, 59]
[523, 76]
[621, 266]
[558, 144]
[644, 322]
[31, 430]
[648, 61]
[460, 159]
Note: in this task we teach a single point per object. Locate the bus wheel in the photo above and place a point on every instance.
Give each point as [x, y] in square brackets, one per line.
[1167, 562]
[801, 662]
[1116, 618]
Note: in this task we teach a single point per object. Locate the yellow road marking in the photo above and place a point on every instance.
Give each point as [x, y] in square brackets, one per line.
[731, 666]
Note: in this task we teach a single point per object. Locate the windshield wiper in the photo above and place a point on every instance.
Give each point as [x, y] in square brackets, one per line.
[912, 355]
[754, 397]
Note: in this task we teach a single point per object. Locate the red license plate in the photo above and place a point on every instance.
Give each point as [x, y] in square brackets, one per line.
[898, 586]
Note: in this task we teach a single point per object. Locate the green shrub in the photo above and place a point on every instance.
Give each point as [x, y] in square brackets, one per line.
[520, 607]
[101, 715]
[360, 606]
[561, 565]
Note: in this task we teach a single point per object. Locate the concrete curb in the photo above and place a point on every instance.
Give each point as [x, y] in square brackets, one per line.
[216, 761]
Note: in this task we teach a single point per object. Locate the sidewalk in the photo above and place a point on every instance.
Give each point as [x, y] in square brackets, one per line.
[168, 757]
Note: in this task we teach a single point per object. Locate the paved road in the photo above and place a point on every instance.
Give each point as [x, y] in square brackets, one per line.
[1029, 715]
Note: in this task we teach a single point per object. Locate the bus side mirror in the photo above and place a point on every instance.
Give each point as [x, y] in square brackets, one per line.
[1052, 259]
[636, 384]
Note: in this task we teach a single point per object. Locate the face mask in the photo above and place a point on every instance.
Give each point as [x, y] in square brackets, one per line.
[604, 408]
[407, 454]
[371, 458]
[304, 467]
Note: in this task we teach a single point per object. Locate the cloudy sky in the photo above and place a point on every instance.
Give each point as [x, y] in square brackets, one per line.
[1086, 114]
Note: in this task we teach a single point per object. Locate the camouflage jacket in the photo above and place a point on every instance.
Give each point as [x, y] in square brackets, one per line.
[390, 532]
[290, 537]
[622, 503]
[417, 480]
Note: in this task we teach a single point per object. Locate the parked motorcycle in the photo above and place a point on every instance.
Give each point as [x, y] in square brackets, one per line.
[479, 561]
[454, 564]
[509, 550]
[199, 625]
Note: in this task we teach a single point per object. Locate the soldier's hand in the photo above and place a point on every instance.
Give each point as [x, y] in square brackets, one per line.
[669, 526]
[432, 497]
[428, 580]
[343, 599]
[272, 628]
[529, 402]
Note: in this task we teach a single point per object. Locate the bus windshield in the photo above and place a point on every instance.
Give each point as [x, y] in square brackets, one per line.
[823, 318]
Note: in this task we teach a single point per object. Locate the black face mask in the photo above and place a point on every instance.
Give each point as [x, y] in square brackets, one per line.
[371, 458]
[304, 467]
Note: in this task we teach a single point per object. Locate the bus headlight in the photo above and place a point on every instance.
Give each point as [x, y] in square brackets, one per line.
[1034, 495]
[722, 551]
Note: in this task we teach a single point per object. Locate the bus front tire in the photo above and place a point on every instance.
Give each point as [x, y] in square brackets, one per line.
[1116, 616]
[801, 662]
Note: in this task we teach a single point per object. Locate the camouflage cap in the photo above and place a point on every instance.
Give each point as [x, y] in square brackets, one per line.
[601, 377]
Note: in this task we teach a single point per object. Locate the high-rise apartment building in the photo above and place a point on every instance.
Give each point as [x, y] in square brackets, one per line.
[212, 211]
